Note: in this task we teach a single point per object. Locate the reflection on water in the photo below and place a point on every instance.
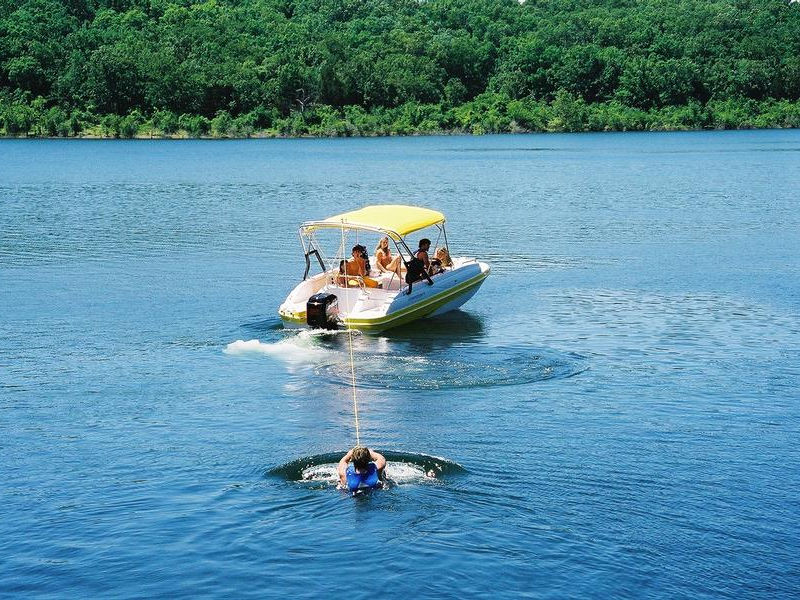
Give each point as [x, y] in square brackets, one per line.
[451, 327]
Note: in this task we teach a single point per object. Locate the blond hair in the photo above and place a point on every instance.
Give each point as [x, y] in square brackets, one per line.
[379, 247]
[444, 256]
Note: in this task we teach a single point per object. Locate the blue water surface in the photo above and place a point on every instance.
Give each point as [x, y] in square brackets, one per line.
[618, 405]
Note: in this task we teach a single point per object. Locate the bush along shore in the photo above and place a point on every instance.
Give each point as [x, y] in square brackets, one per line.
[238, 68]
[488, 113]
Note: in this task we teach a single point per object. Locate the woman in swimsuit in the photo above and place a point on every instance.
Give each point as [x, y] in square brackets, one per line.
[443, 256]
[440, 262]
[384, 260]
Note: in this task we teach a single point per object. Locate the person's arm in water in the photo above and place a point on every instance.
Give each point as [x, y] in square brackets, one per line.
[342, 468]
[379, 460]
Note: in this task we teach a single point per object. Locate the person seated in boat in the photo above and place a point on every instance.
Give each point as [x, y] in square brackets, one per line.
[358, 265]
[440, 262]
[419, 265]
[384, 260]
[422, 252]
[367, 470]
[443, 256]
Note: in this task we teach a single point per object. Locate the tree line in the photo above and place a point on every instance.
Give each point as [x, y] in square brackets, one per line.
[124, 68]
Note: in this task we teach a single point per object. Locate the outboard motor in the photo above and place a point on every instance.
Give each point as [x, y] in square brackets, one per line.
[322, 311]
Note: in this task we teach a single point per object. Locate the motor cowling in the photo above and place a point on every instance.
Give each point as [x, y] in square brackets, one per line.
[322, 311]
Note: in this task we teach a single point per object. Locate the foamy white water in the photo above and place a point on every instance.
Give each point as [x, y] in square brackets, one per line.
[396, 472]
[299, 348]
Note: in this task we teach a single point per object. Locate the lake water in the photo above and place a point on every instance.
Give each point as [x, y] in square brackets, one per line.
[615, 414]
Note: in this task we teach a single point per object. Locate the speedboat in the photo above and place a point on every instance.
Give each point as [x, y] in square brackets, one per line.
[380, 300]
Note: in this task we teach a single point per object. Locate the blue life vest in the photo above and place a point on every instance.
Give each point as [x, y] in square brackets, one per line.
[368, 479]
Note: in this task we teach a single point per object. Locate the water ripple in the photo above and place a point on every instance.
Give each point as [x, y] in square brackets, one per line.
[384, 365]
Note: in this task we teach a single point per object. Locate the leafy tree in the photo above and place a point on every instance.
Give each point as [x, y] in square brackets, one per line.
[221, 124]
[194, 125]
[166, 121]
[55, 122]
[18, 119]
[114, 82]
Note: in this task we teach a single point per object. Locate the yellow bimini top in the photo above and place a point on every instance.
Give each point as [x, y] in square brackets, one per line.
[395, 220]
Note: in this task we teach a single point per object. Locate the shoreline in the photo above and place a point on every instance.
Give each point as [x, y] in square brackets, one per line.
[268, 135]
[492, 114]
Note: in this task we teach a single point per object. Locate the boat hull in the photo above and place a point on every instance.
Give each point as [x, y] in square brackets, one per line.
[450, 291]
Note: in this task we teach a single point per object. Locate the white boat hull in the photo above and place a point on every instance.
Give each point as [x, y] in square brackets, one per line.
[379, 309]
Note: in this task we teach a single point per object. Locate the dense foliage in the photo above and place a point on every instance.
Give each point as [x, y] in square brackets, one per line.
[359, 67]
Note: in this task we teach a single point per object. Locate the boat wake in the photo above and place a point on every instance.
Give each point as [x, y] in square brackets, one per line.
[467, 366]
[286, 350]
[382, 364]
[302, 346]
[401, 469]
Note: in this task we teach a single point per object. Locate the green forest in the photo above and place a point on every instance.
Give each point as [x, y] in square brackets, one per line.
[238, 68]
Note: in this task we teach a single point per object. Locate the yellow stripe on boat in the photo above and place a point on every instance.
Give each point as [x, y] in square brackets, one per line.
[293, 317]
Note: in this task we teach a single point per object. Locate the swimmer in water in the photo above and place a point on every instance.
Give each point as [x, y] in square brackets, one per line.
[367, 470]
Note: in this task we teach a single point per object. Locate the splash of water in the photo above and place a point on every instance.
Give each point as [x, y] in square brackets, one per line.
[399, 473]
[401, 468]
[303, 347]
